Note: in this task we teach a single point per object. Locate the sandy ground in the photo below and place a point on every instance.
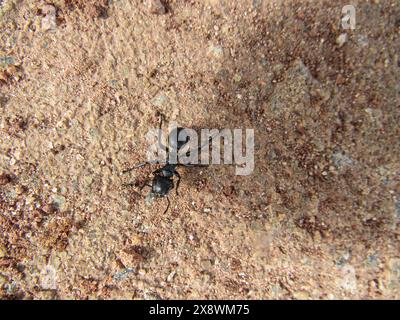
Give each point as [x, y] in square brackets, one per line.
[319, 217]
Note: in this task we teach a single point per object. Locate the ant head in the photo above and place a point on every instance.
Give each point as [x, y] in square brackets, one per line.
[161, 186]
[173, 138]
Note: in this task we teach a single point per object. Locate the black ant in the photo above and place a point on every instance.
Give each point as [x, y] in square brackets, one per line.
[163, 182]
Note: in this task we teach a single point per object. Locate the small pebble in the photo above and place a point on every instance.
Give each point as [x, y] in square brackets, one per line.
[171, 276]
[216, 51]
[156, 7]
[49, 22]
[362, 40]
[342, 39]
[237, 77]
[160, 100]
[142, 272]
[58, 202]
[397, 210]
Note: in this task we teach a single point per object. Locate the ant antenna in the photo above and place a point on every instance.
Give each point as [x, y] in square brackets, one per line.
[160, 144]
[140, 165]
[197, 151]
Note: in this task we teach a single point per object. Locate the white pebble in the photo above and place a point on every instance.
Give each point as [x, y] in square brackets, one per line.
[342, 39]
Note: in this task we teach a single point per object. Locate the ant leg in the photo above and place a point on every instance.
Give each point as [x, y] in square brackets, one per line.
[167, 206]
[160, 144]
[135, 167]
[193, 165]
[145, 185]
[134, 184]
[131, 184]
[157, 171]
[197, 165]
[140, 165]
[198, 151]
[179, 181]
